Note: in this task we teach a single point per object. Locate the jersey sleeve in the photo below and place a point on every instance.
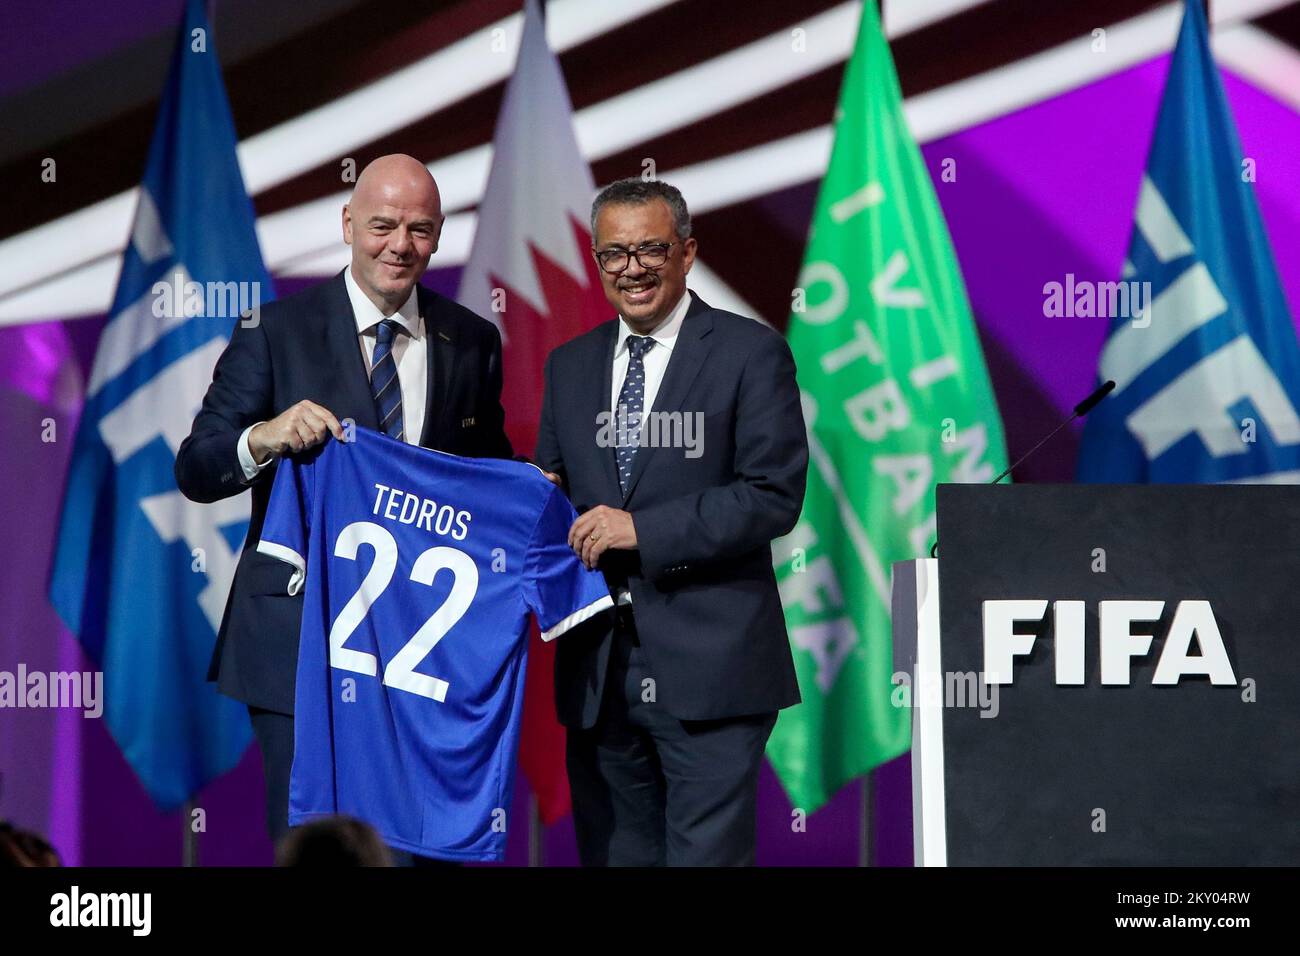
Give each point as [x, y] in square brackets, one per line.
[558, 588]
[288, 517]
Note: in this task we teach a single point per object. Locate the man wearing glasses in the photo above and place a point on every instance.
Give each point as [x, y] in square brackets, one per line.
[669, 708]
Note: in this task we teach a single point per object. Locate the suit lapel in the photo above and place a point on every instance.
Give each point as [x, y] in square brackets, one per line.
[440, 342]
[349, 367]
[600, 404]
[689, 353]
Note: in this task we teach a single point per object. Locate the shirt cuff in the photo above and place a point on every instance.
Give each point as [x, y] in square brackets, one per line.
[251, 468]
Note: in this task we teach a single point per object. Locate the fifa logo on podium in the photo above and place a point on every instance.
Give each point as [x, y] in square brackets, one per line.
[1005, 639]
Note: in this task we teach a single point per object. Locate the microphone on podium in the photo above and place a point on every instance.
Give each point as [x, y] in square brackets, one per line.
[1083, 408]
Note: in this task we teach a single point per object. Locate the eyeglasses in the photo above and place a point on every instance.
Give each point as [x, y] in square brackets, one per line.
[651, 256]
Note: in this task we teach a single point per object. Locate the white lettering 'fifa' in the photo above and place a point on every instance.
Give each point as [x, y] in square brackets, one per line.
[174, 517]
[164, 407]
[1197, 402]
[829, 643]
[1119, 645]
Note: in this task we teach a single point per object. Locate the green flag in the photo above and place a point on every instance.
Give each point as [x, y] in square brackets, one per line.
[896, 399]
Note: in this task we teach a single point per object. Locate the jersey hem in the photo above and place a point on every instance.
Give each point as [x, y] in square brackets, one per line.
[577, 617]
[289, 556]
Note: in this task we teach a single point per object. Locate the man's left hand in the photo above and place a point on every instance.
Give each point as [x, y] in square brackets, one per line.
[600, 529]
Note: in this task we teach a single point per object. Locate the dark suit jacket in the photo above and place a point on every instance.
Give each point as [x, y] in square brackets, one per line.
[704, 595]
[305, 347]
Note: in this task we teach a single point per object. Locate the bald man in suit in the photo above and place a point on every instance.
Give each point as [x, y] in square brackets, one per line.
[370, 345]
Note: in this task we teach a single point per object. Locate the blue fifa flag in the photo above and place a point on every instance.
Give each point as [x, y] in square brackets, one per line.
[1207, 373]
[420, 569]
[140, 574]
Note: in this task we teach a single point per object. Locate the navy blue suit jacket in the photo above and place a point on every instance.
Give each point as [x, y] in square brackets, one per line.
[305, 347]
[704, 595]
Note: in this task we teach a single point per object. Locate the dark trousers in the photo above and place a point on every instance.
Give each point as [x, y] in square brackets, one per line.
[274, 733]
[651, 790]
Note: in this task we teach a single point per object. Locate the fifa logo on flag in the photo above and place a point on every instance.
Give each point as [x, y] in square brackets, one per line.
[141, 573]
[149, 377]
[1198, 399]
[1207, 389]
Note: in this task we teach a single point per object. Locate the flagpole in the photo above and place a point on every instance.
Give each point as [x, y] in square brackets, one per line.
[534, 808]
[866, 843]
[867, 814]
[190, 839]
[534, 831]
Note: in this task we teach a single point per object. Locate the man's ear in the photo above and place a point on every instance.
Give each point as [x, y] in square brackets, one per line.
[688, 252]
[347, 224]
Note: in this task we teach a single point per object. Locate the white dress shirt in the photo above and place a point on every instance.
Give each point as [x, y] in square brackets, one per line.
[655, 362]
[410, 352]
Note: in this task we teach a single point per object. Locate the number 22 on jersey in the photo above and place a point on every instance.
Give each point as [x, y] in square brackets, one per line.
[400, 671]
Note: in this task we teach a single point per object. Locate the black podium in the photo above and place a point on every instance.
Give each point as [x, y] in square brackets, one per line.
[1105, 674]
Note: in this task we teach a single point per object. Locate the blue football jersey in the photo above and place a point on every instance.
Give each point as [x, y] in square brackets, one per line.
[420, 569]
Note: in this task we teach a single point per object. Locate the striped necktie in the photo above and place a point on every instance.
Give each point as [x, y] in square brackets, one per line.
[384, 385]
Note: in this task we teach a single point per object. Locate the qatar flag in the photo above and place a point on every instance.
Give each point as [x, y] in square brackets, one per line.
[530, 271]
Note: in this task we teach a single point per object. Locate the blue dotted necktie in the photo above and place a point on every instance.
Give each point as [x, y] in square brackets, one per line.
[384, 386]
[627, 411]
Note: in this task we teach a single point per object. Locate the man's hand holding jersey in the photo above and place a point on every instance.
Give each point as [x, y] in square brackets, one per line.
[598, 530]
[299, 427]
